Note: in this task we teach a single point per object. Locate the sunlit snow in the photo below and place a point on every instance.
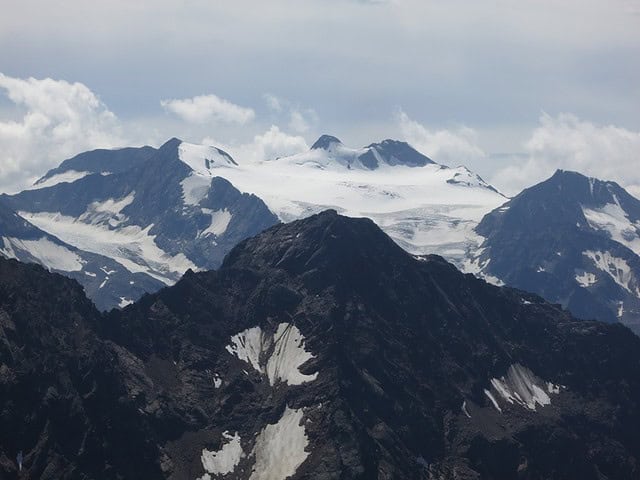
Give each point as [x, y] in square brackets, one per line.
[279, 356]
[124, 301]
[195, 188]
[520, 386]
[280, 449]
[203, 159]
[69, 176]
[612, 219]
[107, 212]
[219, 222]
[586, 279]
[430, 209]
[46, 252]
[226, 459]
[131, 246]
[617, 268]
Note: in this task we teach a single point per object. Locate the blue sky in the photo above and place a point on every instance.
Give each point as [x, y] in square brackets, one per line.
[511, 89]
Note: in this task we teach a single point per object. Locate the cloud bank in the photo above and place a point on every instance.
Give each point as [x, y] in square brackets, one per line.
[208, 108]
[450, 147]
[565, 141]
[59, 119]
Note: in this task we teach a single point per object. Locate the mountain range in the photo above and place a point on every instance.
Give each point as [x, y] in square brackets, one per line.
[130, 221]
[147, 216]
[319, 349]
[154, 213]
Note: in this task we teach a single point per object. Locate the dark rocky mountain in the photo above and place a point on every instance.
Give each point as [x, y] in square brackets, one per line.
[573, 240]
[325, 142]
[320, 349]
[99, 161]
[158, 214]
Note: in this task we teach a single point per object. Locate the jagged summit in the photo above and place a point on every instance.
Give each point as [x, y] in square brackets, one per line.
[325, 142]
[322, 242]
[574, 240]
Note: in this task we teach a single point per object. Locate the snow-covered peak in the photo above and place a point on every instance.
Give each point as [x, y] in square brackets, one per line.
[463, 176]
[204, 159]
[330, 153]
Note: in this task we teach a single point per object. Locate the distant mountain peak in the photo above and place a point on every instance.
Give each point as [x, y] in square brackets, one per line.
[396, 152]
[325, 142]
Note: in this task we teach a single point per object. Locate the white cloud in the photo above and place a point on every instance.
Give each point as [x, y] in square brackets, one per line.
[60, 119]
[567, 142]
[269, 145]
[299, 119]
[297, 122]
[451, 147]
[274, 103]
[208, 108]
[275, 143]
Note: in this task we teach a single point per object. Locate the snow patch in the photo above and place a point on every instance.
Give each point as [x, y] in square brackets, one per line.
[520, 386]
[194, 188]
[131, 246]
[288, 356]
[107, 212]
[124, 302]
[613, 220]
[219, 222]
[617, 268]
[551, 388]
[586, 279]
[493, 400]
[475, 265]
[69, 176]
[464, 409]
[225, 460]
[280, 448]
[279, 356]
[248, 346]
[46, 252]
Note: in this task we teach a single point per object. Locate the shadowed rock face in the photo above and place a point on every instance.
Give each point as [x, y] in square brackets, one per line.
[572, 239]
[321, 343]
